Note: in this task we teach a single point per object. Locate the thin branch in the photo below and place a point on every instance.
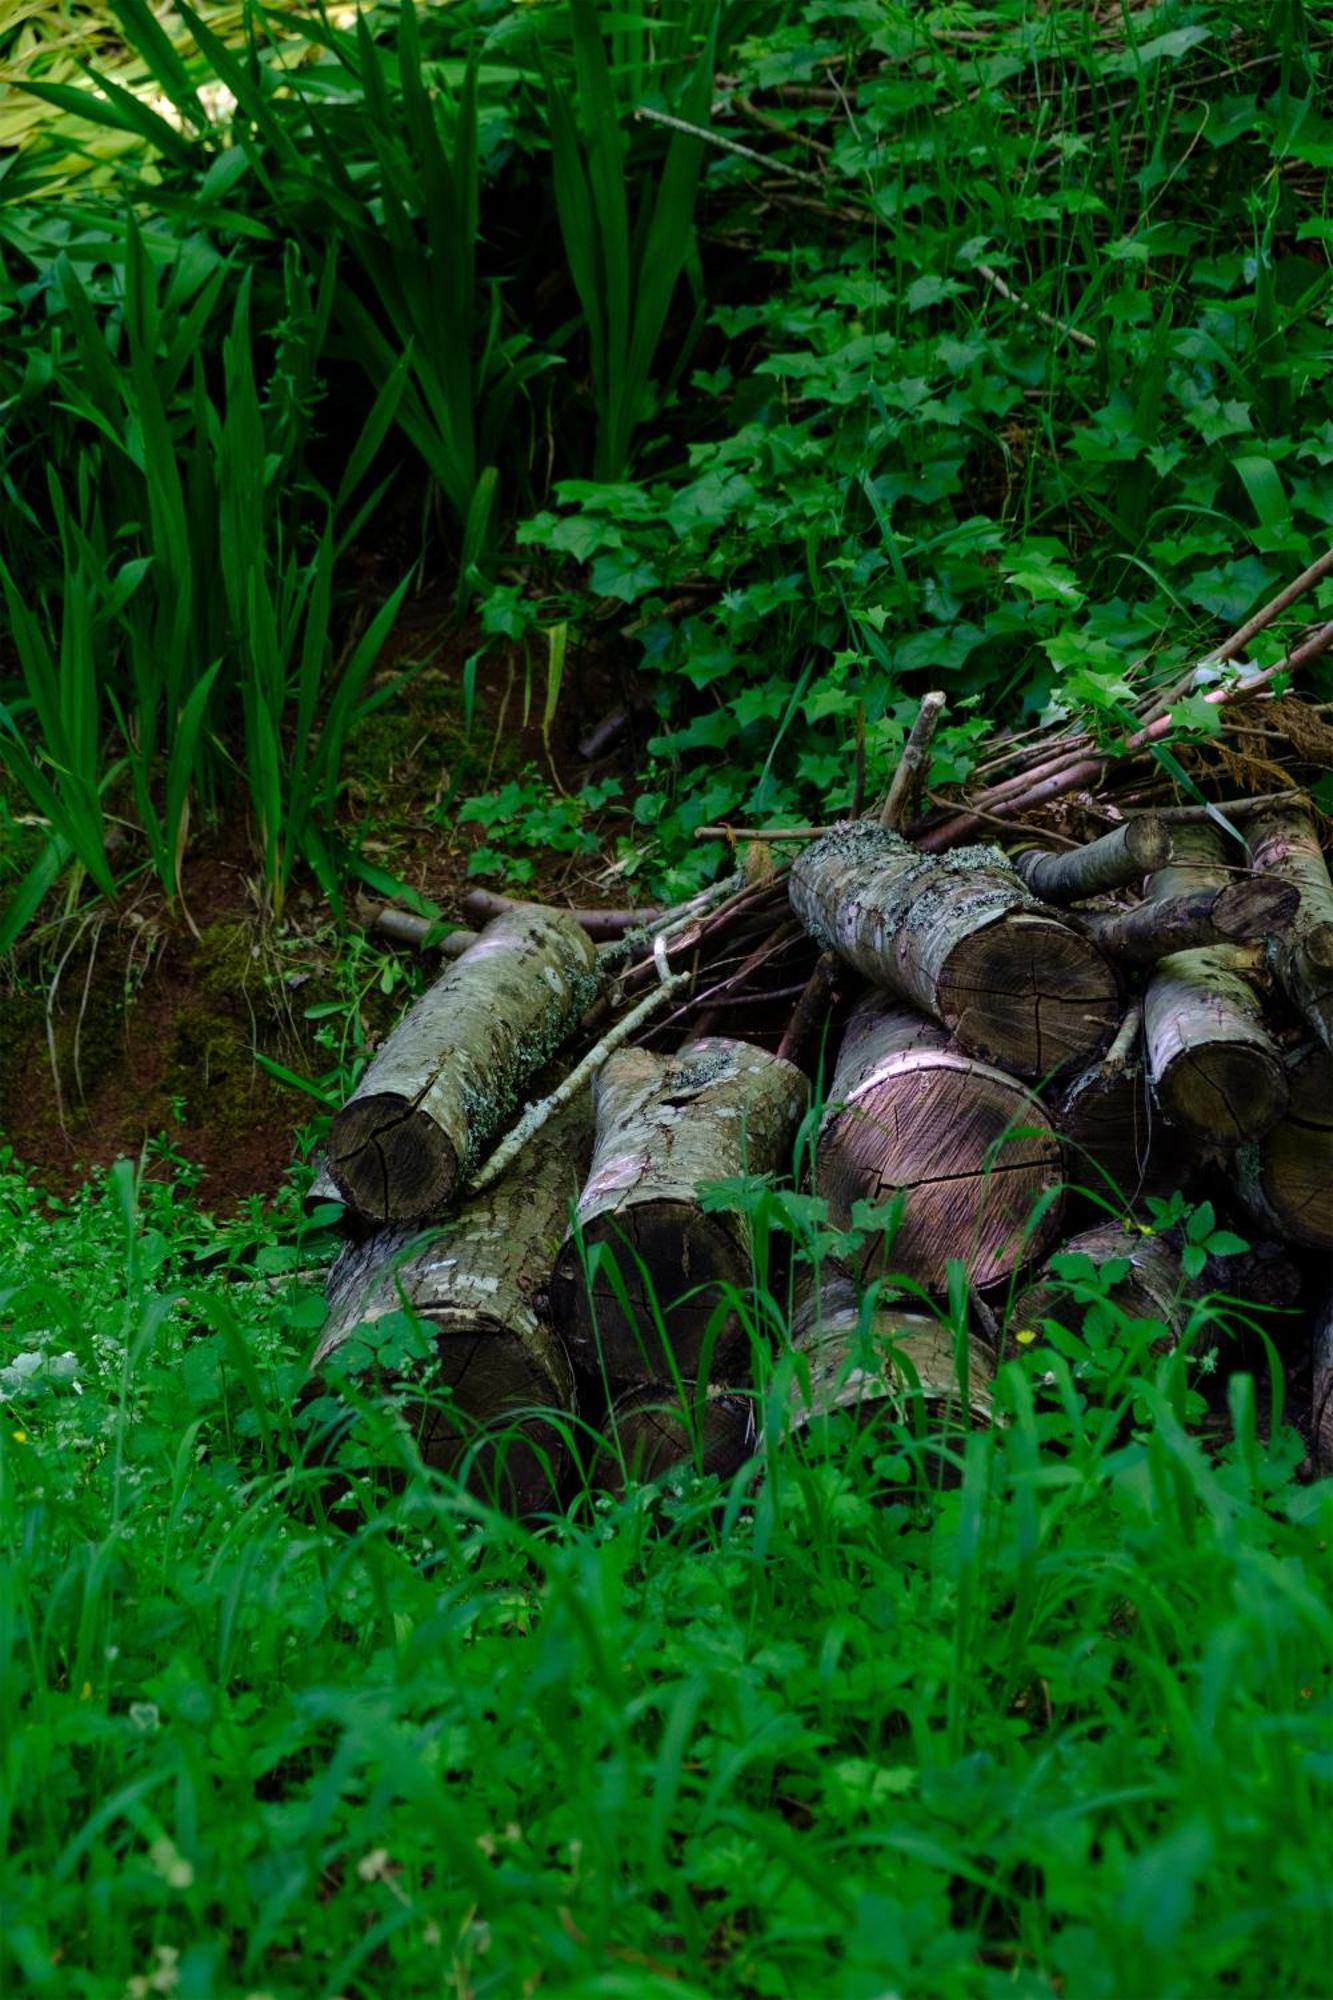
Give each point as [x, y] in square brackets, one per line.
[1006, 291]
[540, 1114]
[903, 801]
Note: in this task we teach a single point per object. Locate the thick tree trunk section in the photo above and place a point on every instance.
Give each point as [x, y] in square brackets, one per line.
[454, 1068]
[716, 1109]
[1116, 861]
[1215, 1068]
[653, 1431]
[1321, 1412]
[1284, 843]
[1105, 1117]
[968, 1147]
[477, 1283]
[1151, 1289]
[1286, 1179]
[1246, 910]
[873, 1362]
[960, 937]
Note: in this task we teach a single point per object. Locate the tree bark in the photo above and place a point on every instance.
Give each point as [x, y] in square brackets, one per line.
[970, 1150]
[872, 1361]
[962, 939]
[1152, 1288]
[1284, 843]
[654, 1431]
[1215, 1068]
[717, 1109]
[1248, 909]
[477, 1284]
[1116, 861]
[1287, 1178]
[454, 1068]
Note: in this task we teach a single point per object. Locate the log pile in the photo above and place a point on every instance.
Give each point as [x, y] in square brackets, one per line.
[984, 1036]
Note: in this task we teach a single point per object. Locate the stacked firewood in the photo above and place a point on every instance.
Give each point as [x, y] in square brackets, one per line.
[1008, 1043]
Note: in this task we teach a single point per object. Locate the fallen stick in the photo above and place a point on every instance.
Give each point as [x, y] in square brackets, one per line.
[454, 1068]
[716, 1110]
[1081, 766]
[962, 939]
[1215, 1069]
[540, 1114]
[902, 802]
[969, 1150]
[603, 925]
[404, 927]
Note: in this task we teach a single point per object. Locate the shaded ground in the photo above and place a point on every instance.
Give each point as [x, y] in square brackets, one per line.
[124, 1030]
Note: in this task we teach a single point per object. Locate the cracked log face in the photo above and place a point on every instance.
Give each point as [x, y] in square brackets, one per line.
[651, 1433]
[862, 1367]
[453, 1070]
[1151, 1288]
[482, 1360]
[1216, 1070]
[1106, 1120]
[1287, 1179]
[969, 1148]
[664, 1125]
[960, 937]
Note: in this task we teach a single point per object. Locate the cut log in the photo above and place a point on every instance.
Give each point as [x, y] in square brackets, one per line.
[1215, 1068]
[1287, 1178]
[1321, 1413]
[1151, 1289]
[654, 1431]
[969, 1148]
[1116, 861]
[1247, 909]
[1105, 1118]
[1283, 843]
[960, 937]
[477, 1286]
[453, 1070]
[717, 1109]
[874, 1359]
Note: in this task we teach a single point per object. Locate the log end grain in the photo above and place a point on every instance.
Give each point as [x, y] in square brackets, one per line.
[654, 1433]
[663, 1312]
[1256, 906]
[1291, 1170]
[1029, 994]
[1225, 1092]
[391, 1161]
[968, 1148]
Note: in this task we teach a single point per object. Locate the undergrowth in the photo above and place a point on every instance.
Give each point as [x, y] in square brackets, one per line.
[1041, 1709]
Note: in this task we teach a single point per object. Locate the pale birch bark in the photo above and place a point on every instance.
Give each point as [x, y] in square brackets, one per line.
[1116, 861]
[478, 1285]
[960, 937]
[453, 1071]
[1284, 842]
[1216, 1070]
[716, 1110]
